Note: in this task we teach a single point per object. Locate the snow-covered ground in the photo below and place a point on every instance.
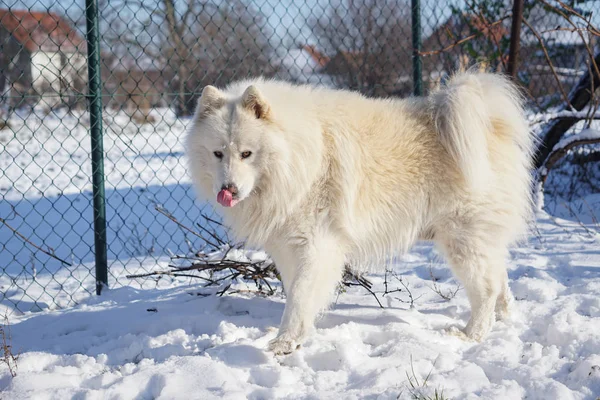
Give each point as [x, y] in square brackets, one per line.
[147, 340]
[46, 192]
[169, 342]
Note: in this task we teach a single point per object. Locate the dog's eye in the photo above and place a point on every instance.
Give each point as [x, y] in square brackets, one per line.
[218, 154]
[246, 154]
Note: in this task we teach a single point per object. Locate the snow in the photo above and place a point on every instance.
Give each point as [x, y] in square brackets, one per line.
[168, 342]
[46, 188]
[561, 112]
[586, 134]
[166, 339]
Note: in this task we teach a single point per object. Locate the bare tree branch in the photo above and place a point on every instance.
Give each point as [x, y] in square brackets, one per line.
[465, 39]
[549, 61]
[29, 242]
[581, 96]
[558, 154]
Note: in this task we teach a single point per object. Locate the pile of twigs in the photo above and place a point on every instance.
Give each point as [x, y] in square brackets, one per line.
[220, 270]
[222, 263]
[223, 272]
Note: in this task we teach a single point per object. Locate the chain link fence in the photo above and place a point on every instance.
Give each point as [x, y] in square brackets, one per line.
[154, 59]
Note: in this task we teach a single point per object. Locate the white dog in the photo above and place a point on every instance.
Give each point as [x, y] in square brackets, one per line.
[320, 177]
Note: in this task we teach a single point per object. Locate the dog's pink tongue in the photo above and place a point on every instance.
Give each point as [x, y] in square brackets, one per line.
[225, 198]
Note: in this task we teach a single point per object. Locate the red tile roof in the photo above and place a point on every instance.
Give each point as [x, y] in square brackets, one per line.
[321, 59]
[460, 26]
[41, 31]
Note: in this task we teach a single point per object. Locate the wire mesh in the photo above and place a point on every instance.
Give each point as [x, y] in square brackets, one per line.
[156, 56]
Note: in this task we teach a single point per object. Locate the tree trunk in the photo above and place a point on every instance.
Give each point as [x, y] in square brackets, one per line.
[578, 98]
[176, 34]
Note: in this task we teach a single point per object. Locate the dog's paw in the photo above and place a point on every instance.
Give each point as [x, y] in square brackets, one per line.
[475, 335]
[478, 329]
[283, 344]
[502, 314]
[459, 333]
[503, 311]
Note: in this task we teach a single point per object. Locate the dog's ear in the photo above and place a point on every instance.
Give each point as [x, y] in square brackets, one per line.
[252, 100]
[212, 99]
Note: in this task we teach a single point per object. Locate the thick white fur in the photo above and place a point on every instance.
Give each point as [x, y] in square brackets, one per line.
[336, 178]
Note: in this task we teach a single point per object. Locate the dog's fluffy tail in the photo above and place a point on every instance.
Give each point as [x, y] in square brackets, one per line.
[471, 107]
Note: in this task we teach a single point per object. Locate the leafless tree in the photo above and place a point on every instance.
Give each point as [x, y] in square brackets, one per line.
[369, 44]
[559, 67]
[193, 43]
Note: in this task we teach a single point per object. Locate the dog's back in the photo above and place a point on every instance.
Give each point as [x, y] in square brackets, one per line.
[399, 168]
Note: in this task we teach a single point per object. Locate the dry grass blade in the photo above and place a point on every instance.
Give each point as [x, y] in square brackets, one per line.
[447, 295]
[418, 389]
[8, 356]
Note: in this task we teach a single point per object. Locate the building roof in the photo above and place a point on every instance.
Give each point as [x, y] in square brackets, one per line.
[319, 62]
[461, 26]
[319, 58]
[45, 31]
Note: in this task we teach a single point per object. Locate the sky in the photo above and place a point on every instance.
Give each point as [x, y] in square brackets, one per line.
[287, 19]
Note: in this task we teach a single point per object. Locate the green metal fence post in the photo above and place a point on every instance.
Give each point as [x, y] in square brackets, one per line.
[95, 109]
[416, 53]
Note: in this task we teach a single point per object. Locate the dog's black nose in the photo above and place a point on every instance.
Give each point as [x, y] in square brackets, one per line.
[231, 187]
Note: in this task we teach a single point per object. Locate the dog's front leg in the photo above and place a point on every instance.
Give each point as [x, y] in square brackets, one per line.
[319, 265]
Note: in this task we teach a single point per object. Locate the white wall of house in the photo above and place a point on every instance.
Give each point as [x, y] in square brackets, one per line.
[75, 68]
[48, 68]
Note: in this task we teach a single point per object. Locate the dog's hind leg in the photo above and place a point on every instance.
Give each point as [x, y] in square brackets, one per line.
[482, 272]
[504, 300]
[309, 290]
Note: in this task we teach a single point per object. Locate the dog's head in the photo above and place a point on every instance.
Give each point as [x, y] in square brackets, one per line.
[226, 145]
